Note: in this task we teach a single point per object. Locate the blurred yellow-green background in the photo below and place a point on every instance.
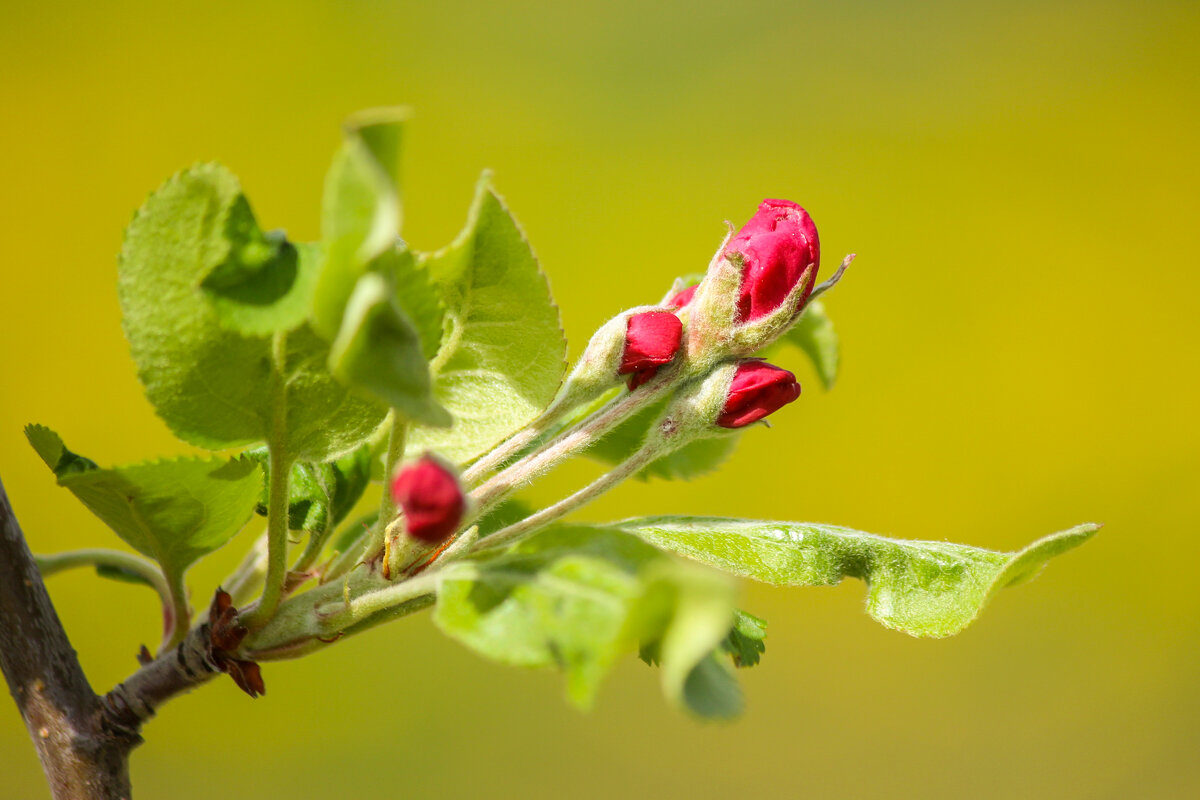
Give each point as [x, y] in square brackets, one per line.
[1021, 181]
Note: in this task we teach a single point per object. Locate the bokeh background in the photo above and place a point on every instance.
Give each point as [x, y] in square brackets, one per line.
[1020, 335]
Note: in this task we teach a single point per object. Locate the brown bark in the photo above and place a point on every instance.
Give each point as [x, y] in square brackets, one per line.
[64, 716]
[83, 740]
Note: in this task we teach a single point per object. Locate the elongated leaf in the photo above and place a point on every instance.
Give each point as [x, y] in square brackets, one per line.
[174, 512]
[504, 354]
[360, 218]
[814, 334]
[211, 384]
[578, 597]
[921, 588]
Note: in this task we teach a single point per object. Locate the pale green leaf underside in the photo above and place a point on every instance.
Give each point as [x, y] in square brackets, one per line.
[503, 356]
[174, 511]
[922, 588]
[211, 384]
[578, 597]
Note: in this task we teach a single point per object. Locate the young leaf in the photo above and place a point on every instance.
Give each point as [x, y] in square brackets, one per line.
[921, 588]
[745, 643]
[209, 383]
[174, 512]
[504, 354]
[576, 597]
[379, 349]
[360, 218]
[814, 334]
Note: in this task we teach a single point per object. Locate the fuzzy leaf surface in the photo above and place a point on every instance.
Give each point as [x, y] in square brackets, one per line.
[922, 588]
[174, 512]
[578, 597]
[503, 355]
[209, 383]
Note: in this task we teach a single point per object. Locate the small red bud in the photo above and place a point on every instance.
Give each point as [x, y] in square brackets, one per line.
[431, 498]
[651, 340]
[682, 298]
[776, 246]
[758, 389]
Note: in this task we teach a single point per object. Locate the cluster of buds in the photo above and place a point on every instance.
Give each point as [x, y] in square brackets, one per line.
[705, 334]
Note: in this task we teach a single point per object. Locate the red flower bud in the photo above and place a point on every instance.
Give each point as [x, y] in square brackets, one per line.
[777, 245]
[431, 498]
[682, 298]
[651, 340]
[758, 389]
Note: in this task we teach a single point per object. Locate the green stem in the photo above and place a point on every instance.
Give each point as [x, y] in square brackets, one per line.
[569, 442]
[395, 452]
[147, 571]
[528, 526]
[278, 493]
[179, 620]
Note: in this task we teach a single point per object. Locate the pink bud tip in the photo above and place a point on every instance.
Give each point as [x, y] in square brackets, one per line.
[651, 340]
[682, 298]
[776, 246]
[758, 389]
[431, 498]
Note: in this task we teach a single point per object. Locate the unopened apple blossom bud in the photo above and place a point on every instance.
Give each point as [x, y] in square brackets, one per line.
[651, 340]
[756, 287]
[757, 389]
[779, 253]
[431, 498]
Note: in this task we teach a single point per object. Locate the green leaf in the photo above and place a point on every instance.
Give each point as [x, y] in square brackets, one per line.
[694, 459]
[814, 334]
[379, 349]
[266, 283]
[921, 588]
[174, 512]
[211, 384]
[325, 419]
[577, 597]
[416, 294]
[504, 354]
[360, 217]
[745, 643]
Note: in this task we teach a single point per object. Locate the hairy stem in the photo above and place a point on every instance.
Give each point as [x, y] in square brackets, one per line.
[569, 442]
[530, 525]
[99, 557]
[278, 493]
